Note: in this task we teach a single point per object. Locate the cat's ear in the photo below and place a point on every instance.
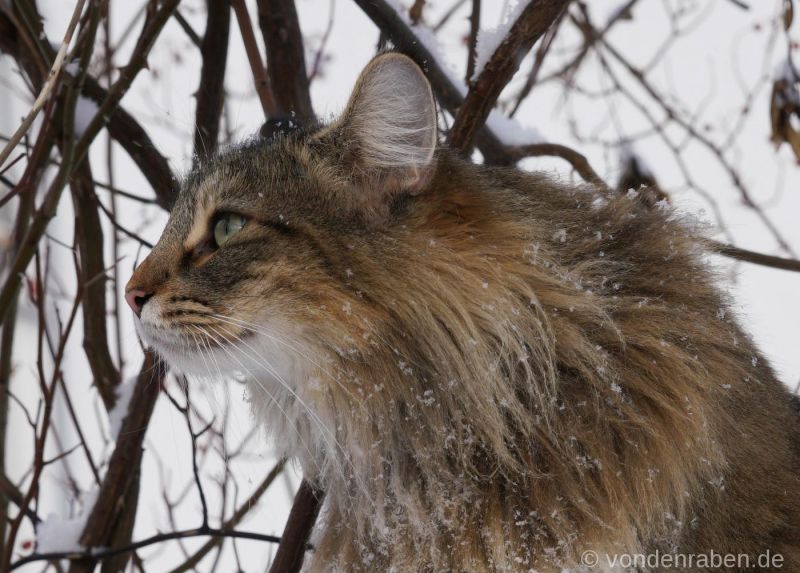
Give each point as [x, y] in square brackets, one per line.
[387, 134]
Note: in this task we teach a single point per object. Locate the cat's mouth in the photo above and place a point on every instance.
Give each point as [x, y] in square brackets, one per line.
[204, 342]
[181, 337]
[192, 349]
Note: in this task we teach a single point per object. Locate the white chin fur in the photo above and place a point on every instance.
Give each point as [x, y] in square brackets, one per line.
[276, 372]
[259, 356]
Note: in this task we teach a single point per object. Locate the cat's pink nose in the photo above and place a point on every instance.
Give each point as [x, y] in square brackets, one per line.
[136, 299]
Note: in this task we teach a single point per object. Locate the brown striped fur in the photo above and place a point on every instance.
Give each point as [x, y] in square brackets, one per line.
[487, 370]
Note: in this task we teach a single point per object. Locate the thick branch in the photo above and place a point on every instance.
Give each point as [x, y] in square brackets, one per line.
[117, 498]
[534, 20]
[286, 59]
[89, 237]
[294, 541]
[211, 93]
[260, 77]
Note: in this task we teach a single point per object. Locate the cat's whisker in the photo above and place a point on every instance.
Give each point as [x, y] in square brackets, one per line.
[255, 328]
[263, 362]
[258, 330]
[211, 388]
[263, 388]
[199, 348]
[222, 376]
[330, 439]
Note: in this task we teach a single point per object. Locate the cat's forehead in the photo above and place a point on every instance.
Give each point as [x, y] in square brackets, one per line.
[242, 171]
[242, 179]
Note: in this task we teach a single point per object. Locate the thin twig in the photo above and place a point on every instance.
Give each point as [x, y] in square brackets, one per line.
[577, 160]
[49, 85]
[474, 30]
[754, 257]
[234, 520]
[102, 554]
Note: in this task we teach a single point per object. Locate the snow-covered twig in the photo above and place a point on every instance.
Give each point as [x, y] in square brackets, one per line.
[52, 80]
[533, 20]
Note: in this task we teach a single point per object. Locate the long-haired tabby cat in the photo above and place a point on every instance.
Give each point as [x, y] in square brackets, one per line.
[486, 370]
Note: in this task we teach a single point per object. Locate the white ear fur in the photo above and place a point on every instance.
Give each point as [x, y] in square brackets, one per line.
[391, 119]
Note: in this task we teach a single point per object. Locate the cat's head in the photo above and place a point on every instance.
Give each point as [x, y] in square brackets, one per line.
[255, 253]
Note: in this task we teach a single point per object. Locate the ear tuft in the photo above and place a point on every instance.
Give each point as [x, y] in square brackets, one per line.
[390, 123]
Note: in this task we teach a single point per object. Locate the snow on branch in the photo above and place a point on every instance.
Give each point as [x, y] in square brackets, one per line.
[534, 19]
[420, 43]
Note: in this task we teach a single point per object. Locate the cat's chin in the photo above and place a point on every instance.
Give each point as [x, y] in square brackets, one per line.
[259, 357]
[176, 352]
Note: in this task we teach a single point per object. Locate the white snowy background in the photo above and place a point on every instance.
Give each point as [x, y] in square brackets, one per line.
[724, 52]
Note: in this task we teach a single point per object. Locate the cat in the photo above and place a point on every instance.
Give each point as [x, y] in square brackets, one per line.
[483, 368]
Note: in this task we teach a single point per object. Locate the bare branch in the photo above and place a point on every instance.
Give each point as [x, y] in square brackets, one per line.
[81, 147]
[305, 509]
[117, 496]
[754, 257]
[260, 77]
[286, 59]
[577, 160]
[12, 493]
[89, 239]
[474, 30]
[49, 85]
[121, 125]
[102, 554]
[126, 131]
[211, 92]
[534, 21]
[234, 520]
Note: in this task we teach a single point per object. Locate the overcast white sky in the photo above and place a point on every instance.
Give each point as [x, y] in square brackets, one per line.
[711, 68]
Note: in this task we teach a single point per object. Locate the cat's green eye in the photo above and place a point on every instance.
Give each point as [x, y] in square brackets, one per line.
[227, 226]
